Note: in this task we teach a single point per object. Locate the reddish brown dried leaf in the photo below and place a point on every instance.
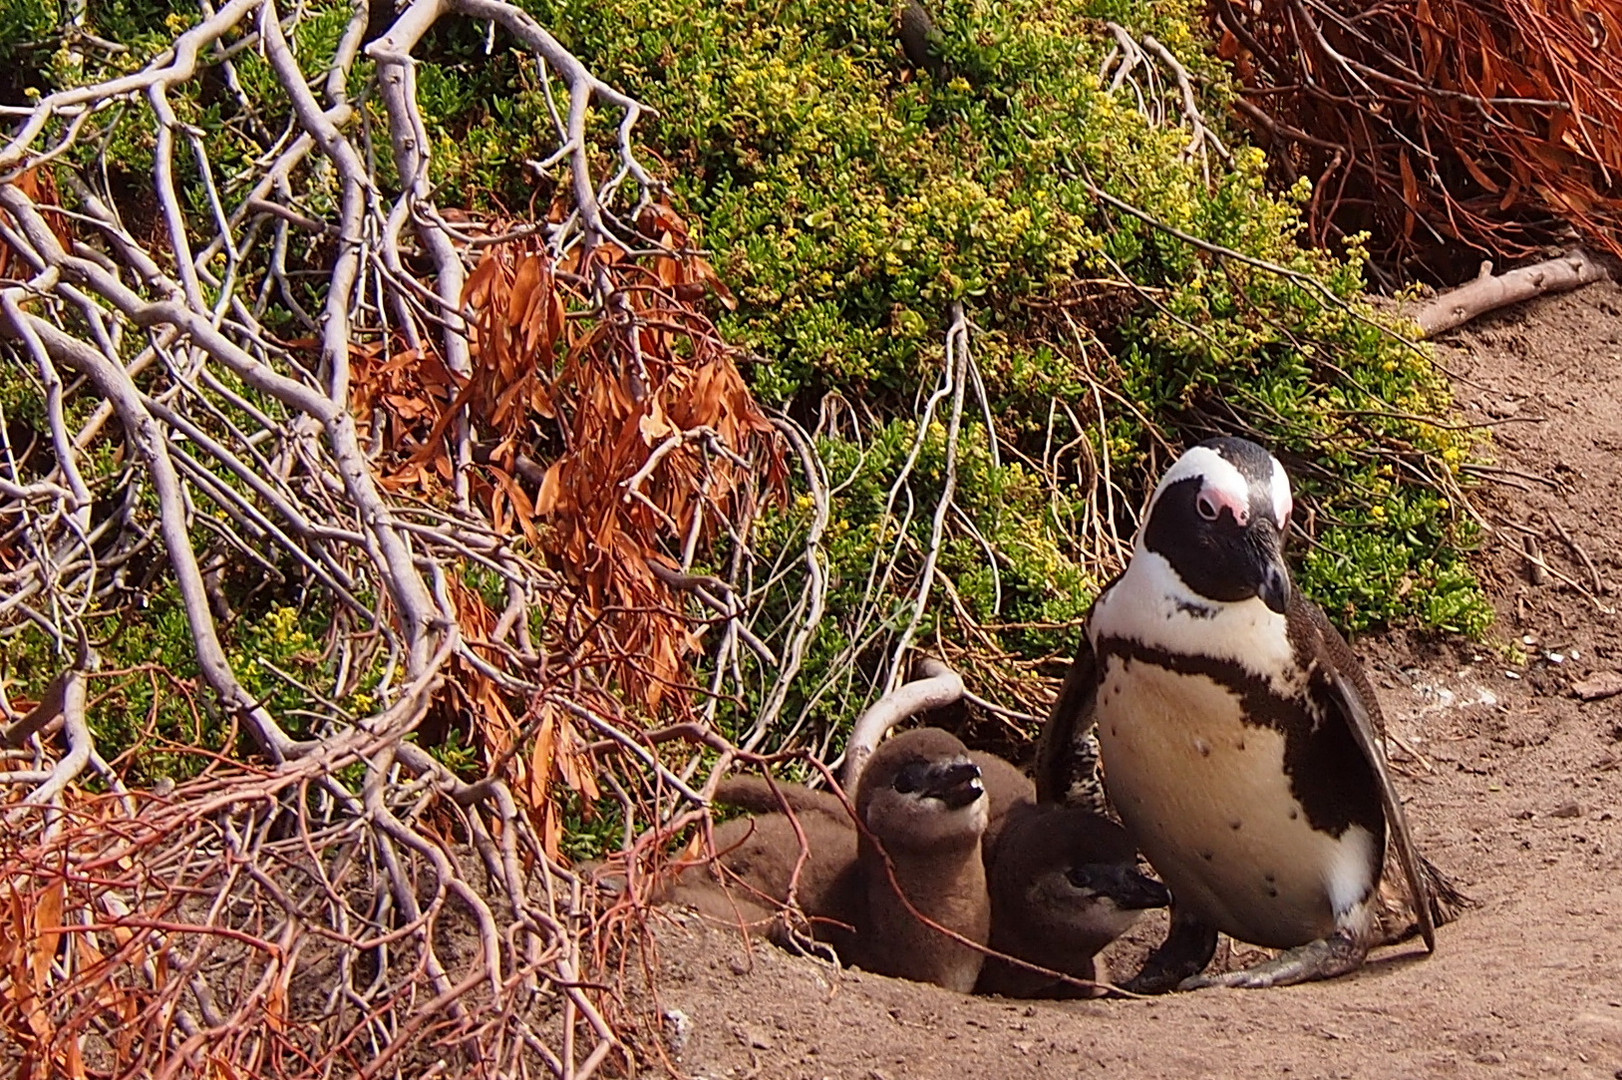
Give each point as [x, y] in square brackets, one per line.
[47, 930]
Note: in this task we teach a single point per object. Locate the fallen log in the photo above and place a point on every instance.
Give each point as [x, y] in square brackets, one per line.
[1489, 291]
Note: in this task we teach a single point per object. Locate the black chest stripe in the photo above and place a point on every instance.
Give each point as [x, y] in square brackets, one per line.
[1328, 774]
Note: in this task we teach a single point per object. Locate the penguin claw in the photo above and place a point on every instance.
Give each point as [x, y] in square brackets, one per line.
[1322, 959]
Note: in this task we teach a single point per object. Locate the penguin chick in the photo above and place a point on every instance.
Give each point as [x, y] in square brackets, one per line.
[1064, 883]
[759, 856]
[759, 796]
[923, 805]
[1007, 789]
[717, 904]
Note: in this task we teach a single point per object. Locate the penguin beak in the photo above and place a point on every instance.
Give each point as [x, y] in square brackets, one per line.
[1134, 892]
[1275, 587]
[1272, 572]
[957, 783]
[1121, 884]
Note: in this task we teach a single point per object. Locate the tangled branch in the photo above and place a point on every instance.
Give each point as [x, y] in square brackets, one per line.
[338, 898]
[1437, 124]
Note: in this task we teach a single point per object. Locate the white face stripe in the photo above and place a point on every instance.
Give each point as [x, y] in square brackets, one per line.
[1216, 471]
[1283, 502]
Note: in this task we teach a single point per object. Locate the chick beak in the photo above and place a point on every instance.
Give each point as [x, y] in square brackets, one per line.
[1122, 885]
[956, 784]
[1137, 892]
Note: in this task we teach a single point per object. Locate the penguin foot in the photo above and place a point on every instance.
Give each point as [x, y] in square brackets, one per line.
[1325, 958]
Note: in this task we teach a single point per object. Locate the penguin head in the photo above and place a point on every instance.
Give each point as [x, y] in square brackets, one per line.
[920, 790]
[1219, 519]
[1112, 894]
[1071, 878]
[1085, 906]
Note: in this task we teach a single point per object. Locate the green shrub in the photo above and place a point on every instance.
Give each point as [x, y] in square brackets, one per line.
[848, 201]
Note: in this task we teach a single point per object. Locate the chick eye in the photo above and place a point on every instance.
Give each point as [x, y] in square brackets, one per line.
[1207, 508]
[908, 780]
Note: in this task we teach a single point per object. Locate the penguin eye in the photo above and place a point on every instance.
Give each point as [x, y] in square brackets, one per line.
[1079, 877]
[1206, 507]
[908, 780]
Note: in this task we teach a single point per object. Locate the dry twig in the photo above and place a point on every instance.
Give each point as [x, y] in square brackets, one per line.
[1490, 291]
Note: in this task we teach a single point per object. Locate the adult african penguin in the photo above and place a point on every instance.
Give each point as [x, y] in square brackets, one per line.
[1241, 742]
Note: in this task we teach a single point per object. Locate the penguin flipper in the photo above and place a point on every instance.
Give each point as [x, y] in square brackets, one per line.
[1362, 726]
[1066, 751]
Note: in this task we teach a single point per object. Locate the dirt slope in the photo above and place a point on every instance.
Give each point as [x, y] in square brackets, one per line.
[1515, 790]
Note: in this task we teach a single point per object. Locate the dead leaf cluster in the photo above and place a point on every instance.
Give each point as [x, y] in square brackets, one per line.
[614, 439]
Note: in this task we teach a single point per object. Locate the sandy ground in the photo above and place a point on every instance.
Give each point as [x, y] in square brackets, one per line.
[1513, 787]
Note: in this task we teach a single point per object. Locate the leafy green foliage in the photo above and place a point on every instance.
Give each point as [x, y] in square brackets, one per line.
[849, 201]
[26, 21]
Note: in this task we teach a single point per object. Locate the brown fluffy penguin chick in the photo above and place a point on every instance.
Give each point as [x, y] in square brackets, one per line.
[922, 800]
[717, 904]
[758, 855]
[1006, 788]
[1064, 883]
[759, 796]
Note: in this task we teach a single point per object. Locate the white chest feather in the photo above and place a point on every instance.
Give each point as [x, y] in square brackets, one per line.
[1150, 604]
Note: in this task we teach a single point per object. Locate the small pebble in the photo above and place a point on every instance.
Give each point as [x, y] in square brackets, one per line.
[678, 1029]
[1601, 684]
